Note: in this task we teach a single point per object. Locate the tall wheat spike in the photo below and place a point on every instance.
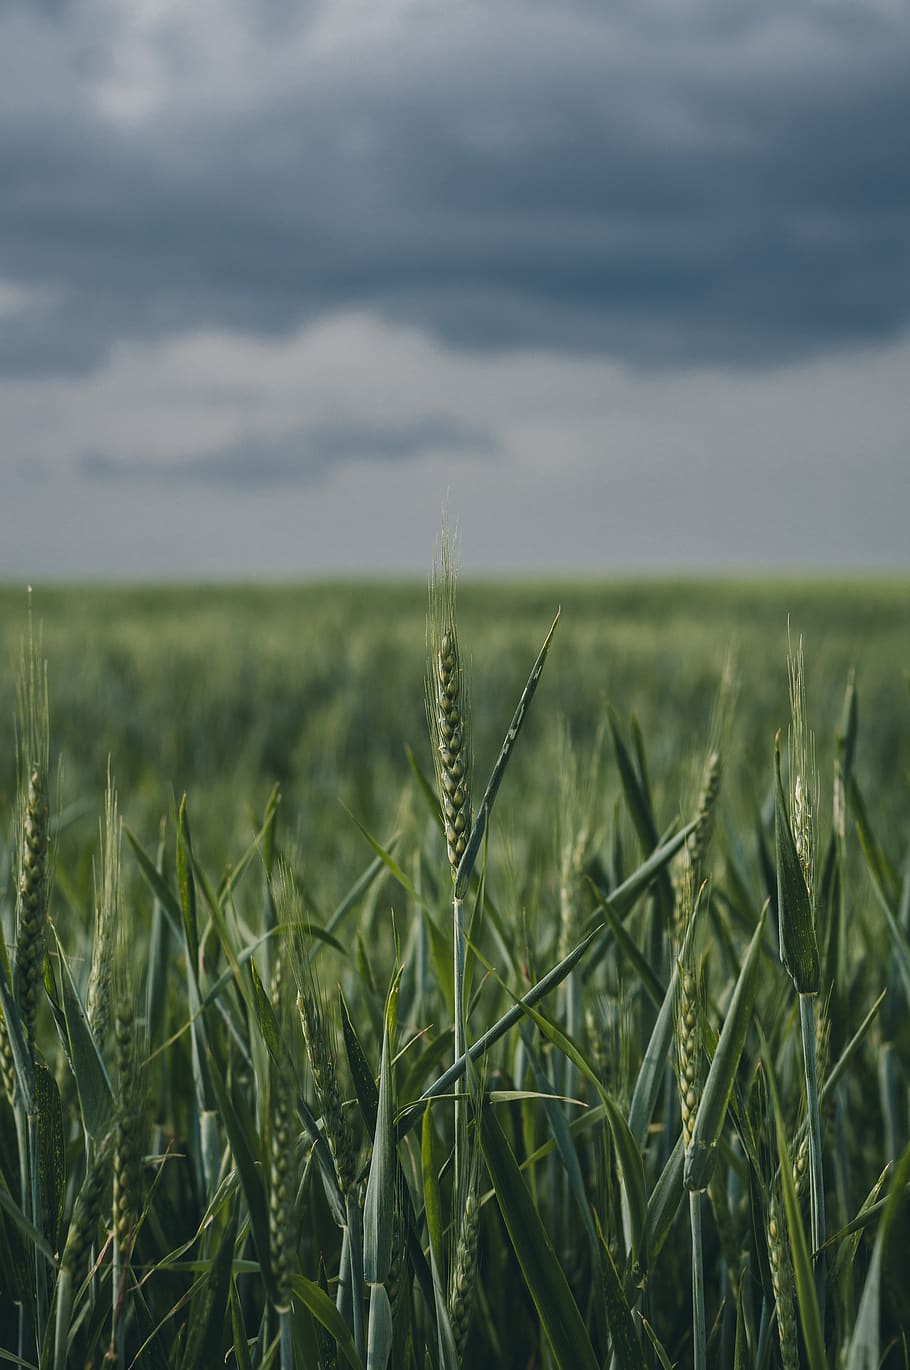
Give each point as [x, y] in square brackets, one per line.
[463, 1281]
[130, 1039]
[803, 770]
[804, 804]
[321, 1055]
[107, 912]
[32, 892]
[447, 706]
[32, 901]
[780, 1260]
[282, 1147]
[7, 1062]
[447, 711]
[689, 1029]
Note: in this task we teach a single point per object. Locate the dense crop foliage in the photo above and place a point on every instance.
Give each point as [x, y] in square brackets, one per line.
[594, 1054]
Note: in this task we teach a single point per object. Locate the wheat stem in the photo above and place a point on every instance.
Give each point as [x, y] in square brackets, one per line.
[816, 1174]
[35, 1169]
[447, 714]
[343, 1296]
[286, 1332]
[282, 1183]
[355, 1248]
[22, 1145]
[459, 967]
[107, 913]
[700, 1347]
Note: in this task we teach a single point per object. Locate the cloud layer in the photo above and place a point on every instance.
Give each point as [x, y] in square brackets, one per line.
[631, 281]
[653, 182]
[353, 431]
[295, 460]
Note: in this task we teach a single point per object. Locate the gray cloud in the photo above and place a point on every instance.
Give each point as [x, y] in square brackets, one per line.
[297, 460]
[725, 184]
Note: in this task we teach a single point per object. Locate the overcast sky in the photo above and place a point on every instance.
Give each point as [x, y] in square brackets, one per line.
[629, 283]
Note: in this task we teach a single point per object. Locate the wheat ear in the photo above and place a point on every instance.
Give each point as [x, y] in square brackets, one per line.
[107, 909]
[447, 711]
[462, 1285]
[804, 803]
[782, 1282]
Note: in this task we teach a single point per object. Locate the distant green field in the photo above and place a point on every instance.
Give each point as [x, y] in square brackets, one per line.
[227, 1125]
[222, 692]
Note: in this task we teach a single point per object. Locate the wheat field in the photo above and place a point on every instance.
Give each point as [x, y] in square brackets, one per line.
[510, 976]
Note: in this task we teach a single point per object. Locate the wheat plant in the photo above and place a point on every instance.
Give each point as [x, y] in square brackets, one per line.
[668, 992]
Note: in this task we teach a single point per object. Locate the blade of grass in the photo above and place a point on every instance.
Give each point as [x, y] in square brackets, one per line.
[643, 969]
[317, 1302]
[362, 1075]
[208, 1308]
[802, 1265]
[624, 897]
[379, 1205]
[466, 864]
[544, 1276]
[864, 1353]
[426, 788]
[626, 1346]
[514, 1015]
[562, 1136]
[92, 1083]
[380, 1333]
[666, 1200]
[652, 1074]
[712, 1110]
[448, 1357]
[348, 904]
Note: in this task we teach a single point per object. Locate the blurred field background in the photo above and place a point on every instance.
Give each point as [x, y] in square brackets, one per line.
[223, 692]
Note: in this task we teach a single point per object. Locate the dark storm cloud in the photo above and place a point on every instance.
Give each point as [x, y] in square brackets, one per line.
[729, 185]
[296, 460]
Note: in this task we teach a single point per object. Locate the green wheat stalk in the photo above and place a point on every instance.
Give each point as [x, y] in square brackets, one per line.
[447, 713]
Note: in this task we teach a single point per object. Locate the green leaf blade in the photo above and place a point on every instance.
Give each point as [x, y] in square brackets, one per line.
[795, 918]
[712, 1110]
[469, 857]
[544, 1276]
[379, 1205]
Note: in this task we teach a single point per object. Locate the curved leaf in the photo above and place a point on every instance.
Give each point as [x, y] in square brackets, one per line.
[544, 1276]
[795, 918]
[469, 857]
[324, 1311]
[712, 1110]
[379, 1205]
